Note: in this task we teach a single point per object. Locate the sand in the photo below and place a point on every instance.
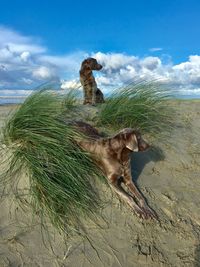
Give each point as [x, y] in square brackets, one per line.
[171, 185]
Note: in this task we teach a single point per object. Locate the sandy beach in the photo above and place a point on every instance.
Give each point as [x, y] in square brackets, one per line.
[169, 181]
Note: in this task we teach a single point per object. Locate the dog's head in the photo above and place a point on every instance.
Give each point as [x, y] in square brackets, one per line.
[132, 140]
[91, 64]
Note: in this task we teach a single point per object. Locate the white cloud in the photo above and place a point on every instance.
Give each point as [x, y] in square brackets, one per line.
[43, 73]
[25, 63]
[72, 84]
[120, 68]
[187, 73]
[105, 81]
[71, 62]
[151, 63]
[25, 55]
[21, 64]
[114, 61]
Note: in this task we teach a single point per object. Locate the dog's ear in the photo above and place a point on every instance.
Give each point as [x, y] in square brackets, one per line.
[125, 138]
[117, 142]
[130, 139]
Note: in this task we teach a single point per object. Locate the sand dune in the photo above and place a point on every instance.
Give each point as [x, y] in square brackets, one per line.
[171, 185]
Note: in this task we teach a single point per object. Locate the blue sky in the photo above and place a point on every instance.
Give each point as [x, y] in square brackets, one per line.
[44, 40]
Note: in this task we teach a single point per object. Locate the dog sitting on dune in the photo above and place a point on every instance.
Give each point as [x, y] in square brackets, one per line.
[112, 155]
[92, 94]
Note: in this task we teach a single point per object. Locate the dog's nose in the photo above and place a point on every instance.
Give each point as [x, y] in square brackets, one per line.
[100, 66]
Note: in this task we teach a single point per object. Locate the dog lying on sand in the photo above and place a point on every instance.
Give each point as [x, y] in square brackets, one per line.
[92, 94]
[112, 155]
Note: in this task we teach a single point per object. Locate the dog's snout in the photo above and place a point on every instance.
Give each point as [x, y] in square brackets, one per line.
[99, 66]
[142, 145]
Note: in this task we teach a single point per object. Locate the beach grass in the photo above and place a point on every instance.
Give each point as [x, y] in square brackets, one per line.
[144, 105]
[60, 174]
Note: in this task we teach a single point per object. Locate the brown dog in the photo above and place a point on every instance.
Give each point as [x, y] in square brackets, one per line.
[92, 94]
[112, 155]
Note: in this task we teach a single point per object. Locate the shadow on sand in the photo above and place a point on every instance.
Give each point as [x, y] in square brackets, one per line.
[197, 256]
[140, 159]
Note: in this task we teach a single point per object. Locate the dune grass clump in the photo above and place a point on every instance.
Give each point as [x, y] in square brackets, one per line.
[60, 174]
[143, 105]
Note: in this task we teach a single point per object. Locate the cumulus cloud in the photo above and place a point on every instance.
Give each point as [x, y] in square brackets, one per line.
[151, 63]
[114, 61]
[71, 84]
[20, 61]
[25, 63]
[188, 72]
[43, 73]
[25, 56]
[120, 68]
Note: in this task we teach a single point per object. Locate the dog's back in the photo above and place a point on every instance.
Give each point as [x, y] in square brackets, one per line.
[88, 130]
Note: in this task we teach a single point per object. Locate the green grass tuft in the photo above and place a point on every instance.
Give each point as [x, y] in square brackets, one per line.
[144, 106]
[60, 173]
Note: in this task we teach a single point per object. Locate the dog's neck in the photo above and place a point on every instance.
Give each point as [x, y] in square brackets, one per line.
[119, 148]
[125, 155]
[85, 71]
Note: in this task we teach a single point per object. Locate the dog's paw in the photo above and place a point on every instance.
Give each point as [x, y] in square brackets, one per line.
[146, 212]
[141, 213]
[149, 213]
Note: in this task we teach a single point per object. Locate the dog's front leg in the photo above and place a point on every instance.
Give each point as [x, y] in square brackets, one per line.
[87, 95]
[136, 193]
[114, 182]
[94, 93]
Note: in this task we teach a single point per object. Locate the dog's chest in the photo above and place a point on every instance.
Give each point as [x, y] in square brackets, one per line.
[87, 79]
